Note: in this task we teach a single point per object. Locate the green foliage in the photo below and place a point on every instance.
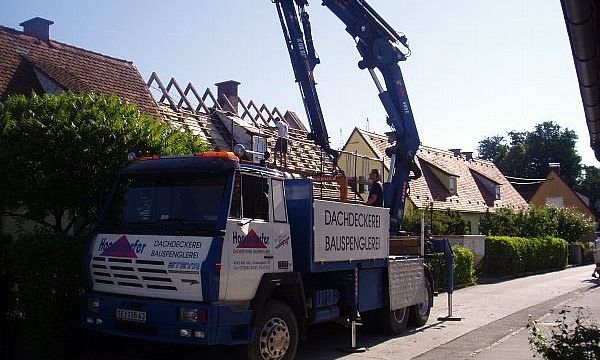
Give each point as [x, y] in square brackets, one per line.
[58, 153]
[536, 222]
[45, 307]
[514, 255]
[464, 272]
[447, 222]
[568, 340]
[528, 153]
[590, 186]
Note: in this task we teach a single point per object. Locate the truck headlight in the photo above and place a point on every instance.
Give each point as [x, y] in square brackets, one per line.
[93, 305]
[192, 315]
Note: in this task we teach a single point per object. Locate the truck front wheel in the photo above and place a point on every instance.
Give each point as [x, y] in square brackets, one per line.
[276, 335]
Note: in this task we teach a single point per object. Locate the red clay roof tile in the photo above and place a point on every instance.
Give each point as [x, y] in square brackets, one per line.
[471, 196]
[70, 67]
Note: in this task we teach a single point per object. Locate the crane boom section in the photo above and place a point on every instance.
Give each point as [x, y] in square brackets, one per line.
[298, 37]
[379, 46]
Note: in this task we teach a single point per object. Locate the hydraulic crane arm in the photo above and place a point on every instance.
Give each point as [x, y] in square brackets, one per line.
[378, 44]
[304, 59]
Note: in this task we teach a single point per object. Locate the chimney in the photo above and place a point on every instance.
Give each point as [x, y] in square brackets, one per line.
[229, 90]
[555, 167]
[456, 152]
[37, 27]
[468, 155]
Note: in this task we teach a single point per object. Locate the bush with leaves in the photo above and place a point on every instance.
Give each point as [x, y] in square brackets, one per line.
[444, 222]
[538, 222]
[506, 255]
[45, 304]
[58, 153]
[578, 340]
[464, 272]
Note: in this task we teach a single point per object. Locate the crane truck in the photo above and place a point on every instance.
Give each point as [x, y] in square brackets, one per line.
[207, 249]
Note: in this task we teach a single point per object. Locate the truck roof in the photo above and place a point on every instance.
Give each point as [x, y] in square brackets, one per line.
[180, 164]
[191, 163]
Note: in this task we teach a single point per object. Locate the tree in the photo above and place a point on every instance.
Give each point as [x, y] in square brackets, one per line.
[58, 154]
[493, 148]
[589, 185]
[529, 153]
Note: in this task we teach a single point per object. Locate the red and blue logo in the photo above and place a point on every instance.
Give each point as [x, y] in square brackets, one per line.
[250, 241]
[121, 248]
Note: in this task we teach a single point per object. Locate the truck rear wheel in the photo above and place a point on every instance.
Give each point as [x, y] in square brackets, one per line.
[394, 322]
[276, 335]
[420, 312]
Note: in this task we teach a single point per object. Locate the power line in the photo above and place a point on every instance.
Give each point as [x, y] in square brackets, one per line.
[526, 183]
[525, 179]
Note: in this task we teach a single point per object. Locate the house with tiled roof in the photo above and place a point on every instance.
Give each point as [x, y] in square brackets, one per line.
[225, 120]
[554, 191]
[30, 61]
[451, 179]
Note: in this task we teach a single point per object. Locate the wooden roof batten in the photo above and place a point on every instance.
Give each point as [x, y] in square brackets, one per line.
[252, 113]
[206, 114]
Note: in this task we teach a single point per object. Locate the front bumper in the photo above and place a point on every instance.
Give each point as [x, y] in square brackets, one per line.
[224, 325]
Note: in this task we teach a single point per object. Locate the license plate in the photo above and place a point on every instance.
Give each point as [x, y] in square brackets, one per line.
[131, 315]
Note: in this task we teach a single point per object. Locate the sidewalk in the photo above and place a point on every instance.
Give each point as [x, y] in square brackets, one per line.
[516, 345]
[493, 319]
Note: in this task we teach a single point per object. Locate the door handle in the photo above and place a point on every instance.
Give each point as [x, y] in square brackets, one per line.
[268, 256]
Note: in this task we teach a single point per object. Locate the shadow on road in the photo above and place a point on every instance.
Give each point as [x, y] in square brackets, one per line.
[323, 342]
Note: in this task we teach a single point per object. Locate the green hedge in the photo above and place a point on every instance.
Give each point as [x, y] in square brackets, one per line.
[539, 222]
[464, 272]
[45, 303]
[506, 255]
[5, 338]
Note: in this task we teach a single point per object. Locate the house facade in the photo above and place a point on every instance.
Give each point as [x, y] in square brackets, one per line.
[554, 191]
[451, 179]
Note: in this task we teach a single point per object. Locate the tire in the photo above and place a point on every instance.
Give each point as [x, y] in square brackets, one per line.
[419, 314]
[276, 333]
[394, 322]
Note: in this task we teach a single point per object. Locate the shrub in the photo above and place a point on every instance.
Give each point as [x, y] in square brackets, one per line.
[6, 338]
[464, 273]
[59, 154]
[567, 341]
[46, 268]
[513, 255]
[446, 222]
[538, 222]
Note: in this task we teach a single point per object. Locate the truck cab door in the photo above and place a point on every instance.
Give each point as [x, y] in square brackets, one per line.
[248, 248]
[282, 242]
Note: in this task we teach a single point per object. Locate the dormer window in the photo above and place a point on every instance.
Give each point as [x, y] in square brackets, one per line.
[452, 185]
[492, 186]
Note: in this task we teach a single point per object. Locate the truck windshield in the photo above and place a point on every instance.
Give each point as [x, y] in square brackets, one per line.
[167, 204]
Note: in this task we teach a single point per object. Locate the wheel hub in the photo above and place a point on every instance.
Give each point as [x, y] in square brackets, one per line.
[274, 339]
[399, 315]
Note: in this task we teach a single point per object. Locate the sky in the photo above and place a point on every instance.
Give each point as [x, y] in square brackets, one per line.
[477, 69]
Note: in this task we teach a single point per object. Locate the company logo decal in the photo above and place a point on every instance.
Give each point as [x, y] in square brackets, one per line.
[250, 241]
[284, 240]
[120, 248]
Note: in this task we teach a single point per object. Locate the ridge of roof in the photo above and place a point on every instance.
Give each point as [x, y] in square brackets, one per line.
[62, 46]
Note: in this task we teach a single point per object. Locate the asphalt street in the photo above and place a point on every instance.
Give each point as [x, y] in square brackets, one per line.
[493, 326]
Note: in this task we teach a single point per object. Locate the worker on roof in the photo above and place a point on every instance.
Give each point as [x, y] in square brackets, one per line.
[375, 189]
[281, 146]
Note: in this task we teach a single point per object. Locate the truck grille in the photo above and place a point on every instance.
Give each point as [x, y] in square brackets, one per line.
[132, 273]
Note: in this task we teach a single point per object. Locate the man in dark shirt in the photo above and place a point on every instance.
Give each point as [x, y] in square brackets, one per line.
[375, 190]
